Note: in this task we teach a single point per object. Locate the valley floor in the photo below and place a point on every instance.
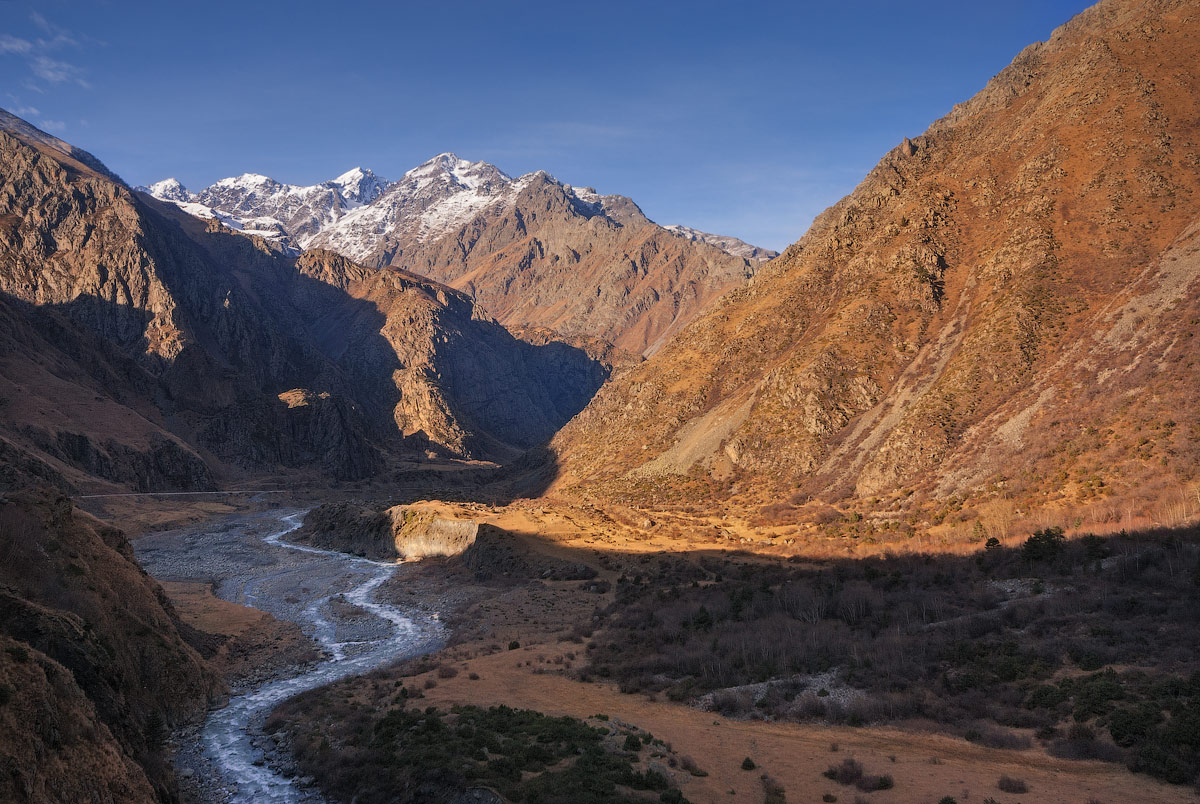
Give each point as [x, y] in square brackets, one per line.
[518, 634]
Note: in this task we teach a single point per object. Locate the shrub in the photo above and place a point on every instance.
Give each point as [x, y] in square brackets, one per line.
[446, 671]
[1010, 785]
[772, 791]
[848, 772]
[871, 783]
[748, 764]
[514, 645]
[731, 704]
[632, 743]
[1044, 545]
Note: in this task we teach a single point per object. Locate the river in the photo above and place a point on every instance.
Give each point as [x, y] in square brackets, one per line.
[331, 595]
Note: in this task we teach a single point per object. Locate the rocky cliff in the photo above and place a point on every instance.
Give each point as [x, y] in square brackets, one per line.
[1005, 304]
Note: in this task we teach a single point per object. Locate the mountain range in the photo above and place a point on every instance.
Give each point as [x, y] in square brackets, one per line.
[1003, 316]
[532, 251]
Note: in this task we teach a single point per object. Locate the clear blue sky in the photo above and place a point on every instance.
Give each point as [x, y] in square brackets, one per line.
[743, 118]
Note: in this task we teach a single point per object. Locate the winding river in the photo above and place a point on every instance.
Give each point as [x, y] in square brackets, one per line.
[331, 595]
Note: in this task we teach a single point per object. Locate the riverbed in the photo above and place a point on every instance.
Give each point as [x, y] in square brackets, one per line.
[334, 597]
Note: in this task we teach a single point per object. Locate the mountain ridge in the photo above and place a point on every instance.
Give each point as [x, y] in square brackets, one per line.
[373, 186]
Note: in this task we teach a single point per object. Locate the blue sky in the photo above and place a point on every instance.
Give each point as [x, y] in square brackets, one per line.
[743, 118]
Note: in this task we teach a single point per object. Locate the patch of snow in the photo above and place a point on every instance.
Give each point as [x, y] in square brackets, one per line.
[728, 244]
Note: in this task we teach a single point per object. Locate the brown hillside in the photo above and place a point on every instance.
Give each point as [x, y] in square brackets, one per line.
[1007, 302]
[599, 270]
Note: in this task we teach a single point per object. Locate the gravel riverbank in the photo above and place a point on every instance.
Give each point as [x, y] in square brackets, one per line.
[347, 605]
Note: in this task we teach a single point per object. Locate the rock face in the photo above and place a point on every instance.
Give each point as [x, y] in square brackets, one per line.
[157, 350]
[402, 532]
[533, 252]
[1009, 297]
[94, 671]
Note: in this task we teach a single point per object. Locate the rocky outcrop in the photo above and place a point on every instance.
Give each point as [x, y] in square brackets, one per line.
[1008, 297]
[95, 671]
[402, 532]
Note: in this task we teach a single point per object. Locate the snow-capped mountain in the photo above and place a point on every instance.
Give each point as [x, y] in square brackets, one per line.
[730, 245]
[302, 211]
[261, 225]
[426, 202]
[258, 204]
[169, 190]
[368, 219]
[531, 250]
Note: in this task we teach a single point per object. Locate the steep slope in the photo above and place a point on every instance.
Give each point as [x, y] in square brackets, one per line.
[533, 252]
[1005, 304]
[94, 671]
[154, 348]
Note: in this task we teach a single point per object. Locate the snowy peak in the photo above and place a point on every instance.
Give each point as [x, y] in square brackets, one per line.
[248, 181]
[428, 201]
[728, 244]
[359, 185]
[168, 190]
[450, 167]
